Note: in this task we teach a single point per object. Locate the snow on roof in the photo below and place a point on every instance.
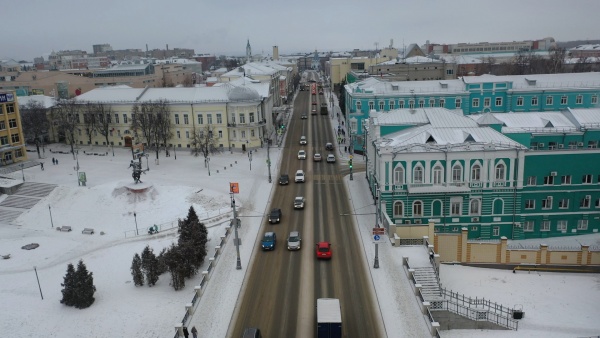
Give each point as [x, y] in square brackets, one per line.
[589, 117]
[132, 95]
[587, 47]
[541, 81]
[526, 121]
[459, 58]
[261, 87]
[375, 86]
[485, 119]
[46, 101]
[587, 60]
[110, 94]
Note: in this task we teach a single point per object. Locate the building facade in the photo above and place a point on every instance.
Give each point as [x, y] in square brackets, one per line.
[12, 140]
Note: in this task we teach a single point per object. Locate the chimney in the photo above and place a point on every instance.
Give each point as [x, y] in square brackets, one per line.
[275, 53]
[167, 46]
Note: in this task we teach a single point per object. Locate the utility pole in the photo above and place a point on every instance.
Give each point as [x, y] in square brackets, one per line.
[376, 265]
[269, 160]
[233, 188]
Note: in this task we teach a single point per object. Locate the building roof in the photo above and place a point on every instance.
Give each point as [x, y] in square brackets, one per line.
[46, 101]
[587, 118]
[459, 59]
[375, 86]
[134, 95]
[531, 121]
[587, 47]
[541, 81]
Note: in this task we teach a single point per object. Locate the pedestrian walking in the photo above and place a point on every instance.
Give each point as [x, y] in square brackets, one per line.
[53, 161]
[186, 334]
[42, 166]
[194, 332]
[345, 149]
[56, 161]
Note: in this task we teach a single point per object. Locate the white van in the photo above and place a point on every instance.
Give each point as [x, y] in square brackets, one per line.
[299, 176]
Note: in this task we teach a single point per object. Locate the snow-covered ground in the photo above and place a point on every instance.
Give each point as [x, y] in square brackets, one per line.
[555, 305]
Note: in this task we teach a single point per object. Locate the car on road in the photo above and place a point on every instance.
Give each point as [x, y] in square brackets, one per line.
[329, 146]
[303, 140]
[269, 240]
[302, 155]
[252, 332]
[299, 176]
[284, 179]
[317, 157]
[323, 250]
[299, 202]
[275, 216]
[294, 241]
[304, 116]
[330, 158]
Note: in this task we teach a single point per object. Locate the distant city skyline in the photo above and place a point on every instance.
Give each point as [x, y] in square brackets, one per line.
[36, 28]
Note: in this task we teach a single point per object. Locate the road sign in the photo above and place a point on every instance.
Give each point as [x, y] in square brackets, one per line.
[351, 156]
[234, 188]
[376, 237]
[378, 231]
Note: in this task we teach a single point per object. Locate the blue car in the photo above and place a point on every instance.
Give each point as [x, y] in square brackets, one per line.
[268, 242]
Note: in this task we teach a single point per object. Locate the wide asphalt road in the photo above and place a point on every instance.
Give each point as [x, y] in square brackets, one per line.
[280, 292]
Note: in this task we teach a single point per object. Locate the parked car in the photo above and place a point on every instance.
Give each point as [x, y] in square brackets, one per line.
[303, 140]
[329, 146]
[299, 202]
[302, 155]
[299, 176]
[275, 216]
[294, 241]
[317, 157]
[323, 250]
[269, 240]
[330, 158]
[284, 179]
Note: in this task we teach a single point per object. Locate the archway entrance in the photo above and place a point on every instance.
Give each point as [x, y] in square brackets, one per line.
[128, 141]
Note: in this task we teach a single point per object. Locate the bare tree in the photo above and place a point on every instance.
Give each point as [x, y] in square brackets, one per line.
[556, 61]
[34, 120]
[143, 119]
[153, 120]
[102, 115]
[164, 127]
[486, 65]
[89, 120]
[66, 117]
[203, 142]
[583, 65]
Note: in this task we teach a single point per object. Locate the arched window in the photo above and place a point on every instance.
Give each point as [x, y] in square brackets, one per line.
[476, 173]
[399, 175]
[417, 209]
[457, 173]
[474, 208]
[418, 174]
[398, 209]
[437, 175]
[500, 172]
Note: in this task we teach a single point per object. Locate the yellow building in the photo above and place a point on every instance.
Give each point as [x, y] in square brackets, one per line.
[12, 141]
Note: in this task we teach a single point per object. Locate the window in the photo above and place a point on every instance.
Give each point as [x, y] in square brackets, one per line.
[531, 180]
[178, 134]
[598, 203]
[437, 175]
[549, 100]
[411, 104]
[457, 103]
[234, 135]
[219, 118]
[18, 153]
[117, 118]
[243, 134]
[548, 180]
[594, 99]
[10, 108]
[2, 125]
[519, 101]
[186, 119]
[432, 102]
[455, 208]
[233, 118]
[534, 101]
[500, 172]
[545, 226]
[476, 173]
[418, 174]
[530, 204]
[14, 138]
[125, 118]
[242, 118]
[474, 208]
[582, 224]
[220, 134]
[592, 144]
[391, 104]
[586, 179]
[371, 105]
[561, 225]
[421, 103]
[449, 71]
[187, 134]
[417, 209]
[579, 99]
[442, 103]
[381, 105]
[563, 100]
[252, 133]
[176, 118]
[547, 203]
[498, 101]
[528, 226]
[398, 209]
[566, 179]
[563, 203]
[456, 173]
[496, 231]
[209, 119]
[486, 102]
[401, 104]
[12, 123]
[475, 103]
[3, 140]
[399, 176]
[251, 115]
[200, 119]
[585, 202]
[358, 106]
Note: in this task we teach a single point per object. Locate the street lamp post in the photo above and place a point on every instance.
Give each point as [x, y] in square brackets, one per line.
[236, 224]
[113, 148]
[269, 159]
[175, 151]
[208, 164]
[376, 265]
[22, 172]
[38, 280]
[51, 221]
[250, 159]
[147, 166]
[76, 153]
[136, 226]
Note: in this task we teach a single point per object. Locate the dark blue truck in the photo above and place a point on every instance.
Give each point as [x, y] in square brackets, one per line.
[329, 318]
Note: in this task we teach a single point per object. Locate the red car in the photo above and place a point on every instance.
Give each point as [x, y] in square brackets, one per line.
[323, 250]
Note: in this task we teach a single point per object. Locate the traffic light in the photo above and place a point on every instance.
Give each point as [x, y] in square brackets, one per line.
[350, 163]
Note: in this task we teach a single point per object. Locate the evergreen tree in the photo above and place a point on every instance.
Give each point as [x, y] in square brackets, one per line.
[174, 261]
[150, 266]
[161, 266]
[68, 285]
[192, 243]
[136, 270]
[85, 287]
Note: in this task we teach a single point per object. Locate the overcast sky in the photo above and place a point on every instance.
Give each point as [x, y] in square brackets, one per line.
[36, 27]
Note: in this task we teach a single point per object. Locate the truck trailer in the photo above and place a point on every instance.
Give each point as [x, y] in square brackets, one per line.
[329, 318]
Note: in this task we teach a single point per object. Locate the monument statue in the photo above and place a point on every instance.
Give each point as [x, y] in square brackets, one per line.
[137, 170]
